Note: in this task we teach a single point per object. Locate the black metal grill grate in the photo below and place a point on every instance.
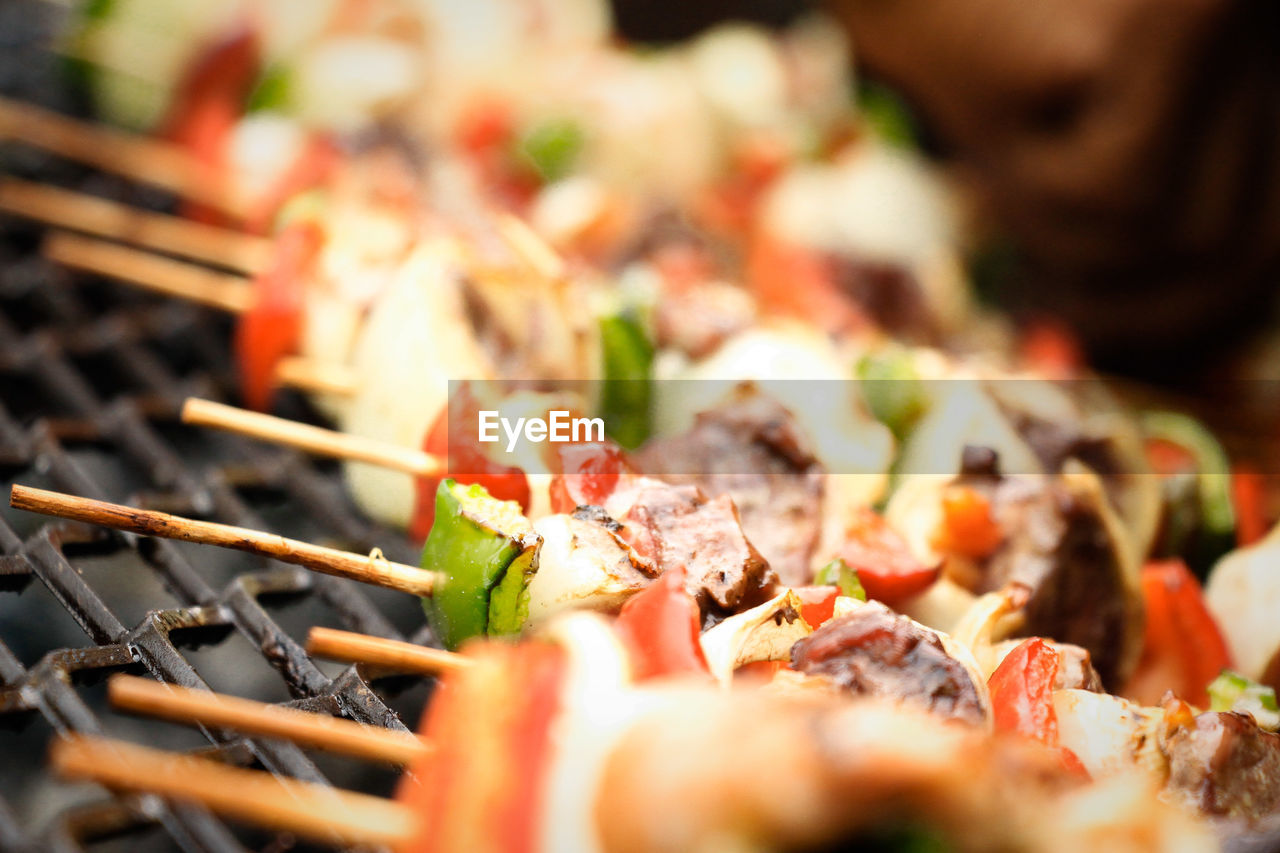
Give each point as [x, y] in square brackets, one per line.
[91, 379]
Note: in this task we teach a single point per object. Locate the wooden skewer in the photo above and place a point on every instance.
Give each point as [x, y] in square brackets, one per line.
[176, 278]
[329, 561]
[530, 246]
[393, 655]
[312, 439]
[311, 375]
[148, 161]
[313, 811]
[333, 734]
[116, 221]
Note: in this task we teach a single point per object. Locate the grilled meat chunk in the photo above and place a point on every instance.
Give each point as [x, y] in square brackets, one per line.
[1063, 548]
[1224, 765]
[677, 526]
[874, 651]
[753, 451]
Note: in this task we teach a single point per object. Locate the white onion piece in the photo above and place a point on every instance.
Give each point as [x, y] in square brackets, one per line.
[330, 325]
[1105, 732]
[343, 82]
[942, 606]
[765, 632]
[598, 704]
[963, 413]
[738, 70]
[575, 575]
[415, 340]
[880, 204]
[263, 145]
[1243, 593]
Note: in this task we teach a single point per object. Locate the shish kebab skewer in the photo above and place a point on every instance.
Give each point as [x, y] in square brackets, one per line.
[312, 439]
[394, 656]
[587, 735]
[148, 161]
[375, 402]
[273, 314]
[194, 283]
[488, 570]
[101, 217]
[1114, 736]
[330, 561]
[312, 811]
[308, 728]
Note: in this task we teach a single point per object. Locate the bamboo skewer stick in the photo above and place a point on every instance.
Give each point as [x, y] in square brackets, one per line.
[255, 796]
[530, 246]
[393, 655]
[311, 375]
[116, 221]
[176, 278]
[225, 291]
[333, 734]
[148, 161]
[312, 439]
[329, 561]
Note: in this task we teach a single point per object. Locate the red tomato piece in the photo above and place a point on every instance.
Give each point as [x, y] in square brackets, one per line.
[968, 527]
[503, 705]
[1182, 647]
[1052, 348]
[486, 125]
[1022, 698]
[588, 473]
[530, 749]
[1167, 458]
[454, 438]
[1022, 691]
[660, 628]
[799, 282]
[888, 570]
[1248, 493]
[272, 328]
[817, 603]
[208, 102]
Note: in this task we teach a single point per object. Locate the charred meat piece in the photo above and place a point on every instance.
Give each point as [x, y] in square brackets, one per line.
[677, 526]
[1062, 548]
[1102, 443]
[890, 294]
[1224, 765]
[874, 651]
[752, 451]
[698, 318]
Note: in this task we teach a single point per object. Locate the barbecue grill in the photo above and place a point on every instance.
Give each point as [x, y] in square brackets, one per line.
[92, 376]
[91, 380]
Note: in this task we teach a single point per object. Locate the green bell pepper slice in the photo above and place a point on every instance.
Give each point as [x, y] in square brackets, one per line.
[485, 553]
[1212, 487]
[626, 397]
[1231, 691]
[844, 577]
[552, 148]
[892, 389]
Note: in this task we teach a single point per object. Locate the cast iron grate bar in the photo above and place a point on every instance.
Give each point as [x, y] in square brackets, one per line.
[88, 404]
